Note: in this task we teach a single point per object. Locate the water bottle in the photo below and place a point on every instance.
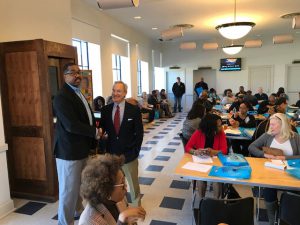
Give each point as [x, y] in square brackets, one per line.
[234, 110]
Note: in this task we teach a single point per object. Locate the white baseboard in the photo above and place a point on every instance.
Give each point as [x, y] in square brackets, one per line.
[3, 147]
[6, 208]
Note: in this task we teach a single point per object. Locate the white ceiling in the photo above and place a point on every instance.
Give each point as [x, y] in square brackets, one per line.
[205, 15]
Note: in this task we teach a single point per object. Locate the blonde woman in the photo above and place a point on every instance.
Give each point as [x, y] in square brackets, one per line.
[280, 142]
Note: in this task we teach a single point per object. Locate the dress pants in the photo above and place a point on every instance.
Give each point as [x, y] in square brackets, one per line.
[131, 173]
[69, 180]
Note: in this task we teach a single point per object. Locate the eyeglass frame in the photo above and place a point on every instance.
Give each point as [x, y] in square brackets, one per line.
[73, 73]
[121, 185]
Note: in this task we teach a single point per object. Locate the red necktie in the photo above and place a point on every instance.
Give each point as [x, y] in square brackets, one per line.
[117, 120]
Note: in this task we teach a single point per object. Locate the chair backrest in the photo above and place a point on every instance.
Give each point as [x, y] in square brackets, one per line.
[289, 211]
[233, 211]
[184, 141]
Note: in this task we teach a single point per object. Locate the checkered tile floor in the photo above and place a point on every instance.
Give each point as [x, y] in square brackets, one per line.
[167, 198]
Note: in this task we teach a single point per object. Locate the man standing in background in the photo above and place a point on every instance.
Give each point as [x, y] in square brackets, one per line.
[75, 134]
[200, 84]
[178, 90]
[123, 125]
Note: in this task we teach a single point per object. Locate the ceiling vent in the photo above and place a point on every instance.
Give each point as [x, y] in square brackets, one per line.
[171, 33]
[296, 22]
[183, 26]
[115, 4]
[283, 39]
[210, 46]
[174, 67]
[188, 46]
[253, 43]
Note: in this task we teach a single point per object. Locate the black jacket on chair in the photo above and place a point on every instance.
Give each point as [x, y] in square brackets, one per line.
[74, 136]
[129, 140]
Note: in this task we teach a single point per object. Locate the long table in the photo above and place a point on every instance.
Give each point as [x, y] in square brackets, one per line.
[261, 176]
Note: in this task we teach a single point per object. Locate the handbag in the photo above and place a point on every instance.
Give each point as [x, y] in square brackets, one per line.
[272, 151]
[156, 115]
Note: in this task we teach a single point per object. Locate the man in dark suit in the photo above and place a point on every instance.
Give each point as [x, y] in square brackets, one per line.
[178, 90]
[123, 125]
[75, 135]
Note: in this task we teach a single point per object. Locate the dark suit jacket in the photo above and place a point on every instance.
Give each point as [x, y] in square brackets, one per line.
[131, 133]
[74, 136]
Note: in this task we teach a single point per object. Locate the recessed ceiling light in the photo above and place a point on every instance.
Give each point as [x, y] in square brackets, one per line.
[137, 17]
[154, 28]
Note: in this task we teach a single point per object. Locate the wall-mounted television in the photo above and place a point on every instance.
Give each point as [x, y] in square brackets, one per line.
[230, 64]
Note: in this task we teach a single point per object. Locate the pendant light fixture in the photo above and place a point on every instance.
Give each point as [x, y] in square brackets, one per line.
[116, 4]
[232, 49]
[235, 30]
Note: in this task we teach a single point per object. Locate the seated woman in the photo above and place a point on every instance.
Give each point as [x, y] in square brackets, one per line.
[211, 136]
[279, 137]
[213, 95]
[164, 103]
[265, 106]
[145, 107]
[103, 186]
[193, 119]
[99, 102]
[242, 119]
[228, 98]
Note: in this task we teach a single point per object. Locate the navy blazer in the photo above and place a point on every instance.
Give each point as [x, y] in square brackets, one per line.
[129, 140]
[74, 136]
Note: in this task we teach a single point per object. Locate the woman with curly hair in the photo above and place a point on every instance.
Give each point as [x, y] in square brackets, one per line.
[103, 186]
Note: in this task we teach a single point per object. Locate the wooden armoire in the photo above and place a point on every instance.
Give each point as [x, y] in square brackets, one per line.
[30, 75]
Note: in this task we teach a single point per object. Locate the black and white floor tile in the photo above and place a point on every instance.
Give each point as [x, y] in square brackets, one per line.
[167, 198]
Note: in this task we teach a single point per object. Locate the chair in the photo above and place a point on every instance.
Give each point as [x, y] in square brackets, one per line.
[184, 141]
[233, 211]
[289, 209]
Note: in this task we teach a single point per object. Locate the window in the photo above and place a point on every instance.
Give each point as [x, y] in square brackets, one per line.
[143, 77]
[82, 53]
[139, 77]
[159, 78]
[116, 67]
[89, 59]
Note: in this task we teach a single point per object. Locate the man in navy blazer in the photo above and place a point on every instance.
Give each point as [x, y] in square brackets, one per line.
[75, 134]
[127, 138]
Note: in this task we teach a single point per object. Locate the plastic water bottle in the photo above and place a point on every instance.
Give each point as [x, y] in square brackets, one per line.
[234, 110]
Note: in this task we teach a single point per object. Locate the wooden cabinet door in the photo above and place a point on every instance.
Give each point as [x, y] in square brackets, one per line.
[28, 120]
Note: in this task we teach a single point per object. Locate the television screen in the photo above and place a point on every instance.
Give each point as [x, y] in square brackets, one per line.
[230, 64]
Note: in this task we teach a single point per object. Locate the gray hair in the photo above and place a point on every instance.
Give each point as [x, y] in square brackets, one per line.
[121, 82]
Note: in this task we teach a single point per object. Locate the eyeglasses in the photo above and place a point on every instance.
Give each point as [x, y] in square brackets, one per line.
[121, 185]
[277, 117]
[74, 73]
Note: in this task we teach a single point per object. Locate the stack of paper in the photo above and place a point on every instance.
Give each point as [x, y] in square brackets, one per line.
[197, 167]
[276, 164]
[197, 159]
[230, 131]
[249, 132]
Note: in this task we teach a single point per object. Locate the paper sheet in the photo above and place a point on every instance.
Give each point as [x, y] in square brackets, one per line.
[232, 131]
[197, 167]
[197, 159]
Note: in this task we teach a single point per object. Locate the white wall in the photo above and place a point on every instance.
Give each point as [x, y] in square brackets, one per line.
[276, 55]
[6, 204]
[107, 26]
[34, 19]
[25, 20]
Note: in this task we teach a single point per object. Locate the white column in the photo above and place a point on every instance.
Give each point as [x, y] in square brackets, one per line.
[6, 203]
